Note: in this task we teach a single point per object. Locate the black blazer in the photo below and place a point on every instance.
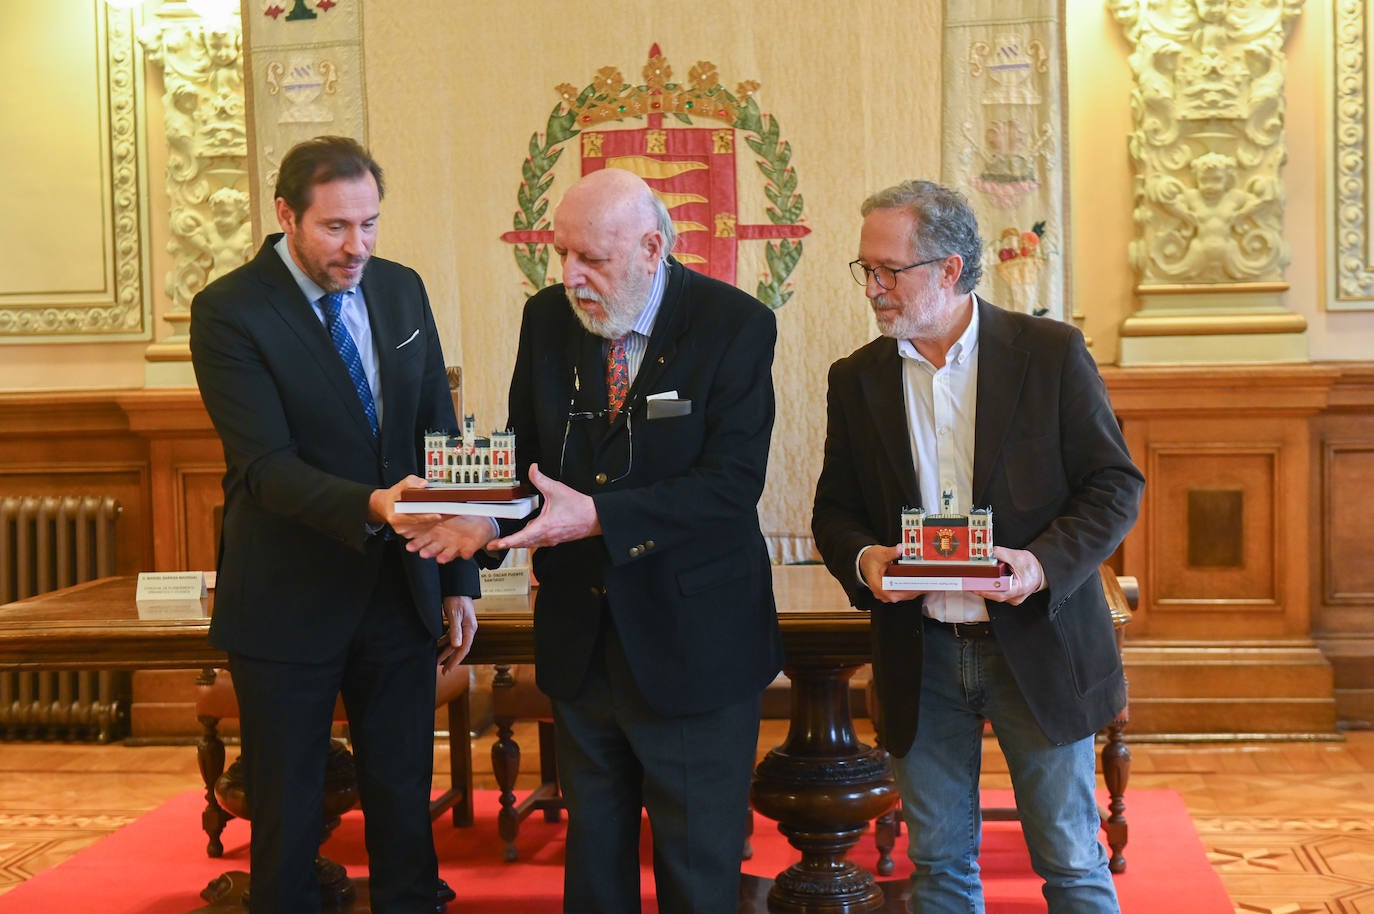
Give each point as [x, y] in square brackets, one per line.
[1048, 458]
[296, 567]
[681, 563]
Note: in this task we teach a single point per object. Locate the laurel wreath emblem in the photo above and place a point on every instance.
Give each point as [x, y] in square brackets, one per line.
[609, 97]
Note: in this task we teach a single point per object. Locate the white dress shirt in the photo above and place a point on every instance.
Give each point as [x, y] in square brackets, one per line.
[941, 404]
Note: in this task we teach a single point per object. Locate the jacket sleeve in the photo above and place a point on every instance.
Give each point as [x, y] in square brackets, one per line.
[1105, 486]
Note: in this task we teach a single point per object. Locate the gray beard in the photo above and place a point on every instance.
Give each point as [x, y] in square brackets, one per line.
[613, 326]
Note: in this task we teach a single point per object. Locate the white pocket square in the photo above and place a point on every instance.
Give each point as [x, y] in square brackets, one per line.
[410, 339]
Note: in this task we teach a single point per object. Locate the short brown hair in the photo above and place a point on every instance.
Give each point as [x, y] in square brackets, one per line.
[319, 161]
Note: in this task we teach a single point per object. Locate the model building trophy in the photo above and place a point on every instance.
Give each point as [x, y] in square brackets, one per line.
[470, 475]
[947, 551]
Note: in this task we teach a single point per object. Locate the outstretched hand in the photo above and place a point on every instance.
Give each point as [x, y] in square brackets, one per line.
[566, 515]
[459, 536]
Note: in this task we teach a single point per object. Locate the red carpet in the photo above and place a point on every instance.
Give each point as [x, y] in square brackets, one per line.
[157, 865]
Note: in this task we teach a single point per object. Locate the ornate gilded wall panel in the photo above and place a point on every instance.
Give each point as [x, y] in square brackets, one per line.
[74, 180]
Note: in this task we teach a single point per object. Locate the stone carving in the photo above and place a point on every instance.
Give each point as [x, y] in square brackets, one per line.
[207, 152]
[1208, 138]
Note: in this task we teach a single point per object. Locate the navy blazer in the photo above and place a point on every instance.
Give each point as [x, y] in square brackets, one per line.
[681, 566]
[296, 567]
[1048, 458]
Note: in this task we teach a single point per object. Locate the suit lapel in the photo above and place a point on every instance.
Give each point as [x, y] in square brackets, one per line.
[1001, 373]
[882, 393]
[286, 298]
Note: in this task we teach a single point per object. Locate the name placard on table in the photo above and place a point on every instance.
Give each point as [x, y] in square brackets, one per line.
[172, 595]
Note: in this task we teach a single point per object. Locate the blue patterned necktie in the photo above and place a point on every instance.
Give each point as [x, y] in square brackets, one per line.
[348, 351]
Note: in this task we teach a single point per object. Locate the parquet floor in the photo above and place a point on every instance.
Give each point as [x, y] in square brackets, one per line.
[1289, 826]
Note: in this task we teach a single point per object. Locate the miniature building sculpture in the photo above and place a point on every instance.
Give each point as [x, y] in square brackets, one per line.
[946, 537]
[469, 461]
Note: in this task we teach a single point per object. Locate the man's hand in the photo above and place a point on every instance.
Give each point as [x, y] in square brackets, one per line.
[381, 508]
[459, 536]
[461, 618]
[566, 515]
[1026, 576]
[873, 562]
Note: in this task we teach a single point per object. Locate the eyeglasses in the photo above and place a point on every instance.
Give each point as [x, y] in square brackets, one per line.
[886, 276]
[576, 415]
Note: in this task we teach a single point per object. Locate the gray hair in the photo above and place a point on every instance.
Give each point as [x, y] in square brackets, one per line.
[944, 224]
[664, 223]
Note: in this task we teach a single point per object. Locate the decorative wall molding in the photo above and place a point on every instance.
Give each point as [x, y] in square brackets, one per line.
[120, 308]
[1352, 258]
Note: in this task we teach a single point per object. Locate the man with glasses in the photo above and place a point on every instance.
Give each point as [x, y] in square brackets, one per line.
[642, 403]
[998, 410]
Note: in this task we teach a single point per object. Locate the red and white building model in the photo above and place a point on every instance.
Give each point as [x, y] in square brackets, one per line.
[468, 461]
[947, 537]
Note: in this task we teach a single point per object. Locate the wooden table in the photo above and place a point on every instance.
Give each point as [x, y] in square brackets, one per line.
[822, 785]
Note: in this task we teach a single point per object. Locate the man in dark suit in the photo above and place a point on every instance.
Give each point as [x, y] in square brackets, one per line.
[655, 629]
[959, 400]
[321, 369]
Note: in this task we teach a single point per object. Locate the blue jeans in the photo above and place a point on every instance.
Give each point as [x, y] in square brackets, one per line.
[964, 681]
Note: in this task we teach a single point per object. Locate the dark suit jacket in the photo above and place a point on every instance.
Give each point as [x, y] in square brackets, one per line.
[296, 567]
[681, 563]
[1050, 461]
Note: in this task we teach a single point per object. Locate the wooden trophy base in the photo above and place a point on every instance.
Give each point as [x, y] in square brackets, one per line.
[947, 576]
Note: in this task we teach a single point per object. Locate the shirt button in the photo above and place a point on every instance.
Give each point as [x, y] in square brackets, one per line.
[600, 479]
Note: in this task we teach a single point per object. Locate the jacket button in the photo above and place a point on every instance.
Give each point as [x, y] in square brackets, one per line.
[635, 551]
[600, 479]
[386, 463]
[648, 544]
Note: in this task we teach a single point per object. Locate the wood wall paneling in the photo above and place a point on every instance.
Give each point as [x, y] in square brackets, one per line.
[1251, 549]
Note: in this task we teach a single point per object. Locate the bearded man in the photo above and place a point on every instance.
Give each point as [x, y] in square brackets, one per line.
[642, 403]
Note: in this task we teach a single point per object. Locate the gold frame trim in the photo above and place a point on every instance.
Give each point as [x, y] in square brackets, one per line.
[1353, 285]
[120, 312]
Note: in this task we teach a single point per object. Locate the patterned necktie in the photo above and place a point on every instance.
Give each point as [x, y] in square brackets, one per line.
[617, 376]
[348, 351]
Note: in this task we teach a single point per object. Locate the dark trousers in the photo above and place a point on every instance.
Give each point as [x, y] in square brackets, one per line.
[692, 774]
[386, 677]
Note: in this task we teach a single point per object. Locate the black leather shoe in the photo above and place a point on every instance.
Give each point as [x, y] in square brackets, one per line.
[443, 896]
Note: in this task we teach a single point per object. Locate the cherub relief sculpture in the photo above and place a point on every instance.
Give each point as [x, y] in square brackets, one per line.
[1218, 232]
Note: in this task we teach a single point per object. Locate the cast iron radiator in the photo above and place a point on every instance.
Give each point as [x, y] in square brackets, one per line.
[47, 543]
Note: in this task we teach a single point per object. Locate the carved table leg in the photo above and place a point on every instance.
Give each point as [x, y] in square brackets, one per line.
[210, 756]
[823, 787]
[1116, 771]
[505, 764]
